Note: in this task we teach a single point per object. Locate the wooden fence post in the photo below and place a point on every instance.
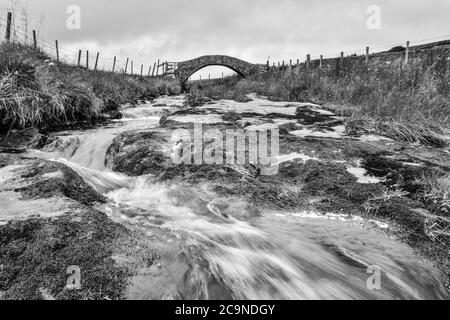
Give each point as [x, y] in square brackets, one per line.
[8, 26]
[367, 55]
[149, 70]
[131, 67]
[337, 69]
[79, 58]
[342, 60]
[407, 52]
[308, 61]
[96, 61]
[142, 69]
[157, 68]
[321, 61]
[298, 63]
[114, 64]
[87, 59]
[57, 51]
[34, 39]
[290, 63]
[126, 65]
[154, 67]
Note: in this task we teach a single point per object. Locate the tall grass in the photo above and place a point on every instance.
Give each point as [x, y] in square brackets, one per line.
[409, 102]
[37, 92]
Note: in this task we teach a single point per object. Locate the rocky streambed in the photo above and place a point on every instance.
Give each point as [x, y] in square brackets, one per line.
[112, 202]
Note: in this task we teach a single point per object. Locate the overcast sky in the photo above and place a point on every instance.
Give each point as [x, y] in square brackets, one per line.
[253, 30]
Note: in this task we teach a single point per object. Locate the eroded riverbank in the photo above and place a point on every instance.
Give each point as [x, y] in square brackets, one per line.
[219, 231]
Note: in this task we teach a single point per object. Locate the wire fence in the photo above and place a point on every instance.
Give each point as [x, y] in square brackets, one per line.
[89, 59]
[368, 51]
[96, 61]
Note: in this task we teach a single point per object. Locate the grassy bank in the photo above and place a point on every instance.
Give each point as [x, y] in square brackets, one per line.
[37, 92]
[407, 102]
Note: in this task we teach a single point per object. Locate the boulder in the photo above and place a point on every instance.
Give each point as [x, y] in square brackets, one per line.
[19, 141]
[138, 153]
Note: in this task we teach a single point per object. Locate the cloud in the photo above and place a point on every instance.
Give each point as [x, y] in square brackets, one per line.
[250, 29]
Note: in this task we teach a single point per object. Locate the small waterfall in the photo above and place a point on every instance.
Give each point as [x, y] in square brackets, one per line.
[274, 257]
[210, 248]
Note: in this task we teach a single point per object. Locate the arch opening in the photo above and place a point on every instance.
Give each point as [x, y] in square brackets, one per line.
[212, 72]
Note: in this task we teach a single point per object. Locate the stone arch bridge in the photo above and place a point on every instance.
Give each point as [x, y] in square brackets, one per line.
[183, 70]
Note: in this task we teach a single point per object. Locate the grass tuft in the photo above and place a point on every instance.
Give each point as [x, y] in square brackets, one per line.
[36, 92]
[406, 102]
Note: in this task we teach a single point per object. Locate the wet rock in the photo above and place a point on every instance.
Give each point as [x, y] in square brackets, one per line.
[79, 125]
[48, 224]
[286, 128]
[231, 116]
[50, 179]
[308, 116]
[111, 105]
[195, 100]
[51, 227]
[111, 111]
[36, 178]
[138, 153]
[189, 111]
[338, 189]
[18, 141]
[396, 173]
[36, 253]
[114, 115]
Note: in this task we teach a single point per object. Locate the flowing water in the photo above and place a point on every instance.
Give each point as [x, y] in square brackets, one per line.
[210, 249]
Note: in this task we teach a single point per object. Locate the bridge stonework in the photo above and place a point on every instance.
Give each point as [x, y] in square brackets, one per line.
[188, 68]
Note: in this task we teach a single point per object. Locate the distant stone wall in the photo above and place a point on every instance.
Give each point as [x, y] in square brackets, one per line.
[188, 68]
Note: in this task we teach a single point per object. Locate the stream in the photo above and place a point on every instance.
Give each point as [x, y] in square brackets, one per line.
[207, 253]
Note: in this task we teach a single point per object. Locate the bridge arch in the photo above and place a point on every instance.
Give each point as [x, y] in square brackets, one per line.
[187, 68]
[223, 69]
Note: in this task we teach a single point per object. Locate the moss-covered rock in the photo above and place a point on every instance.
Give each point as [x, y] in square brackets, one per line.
[48, 223]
